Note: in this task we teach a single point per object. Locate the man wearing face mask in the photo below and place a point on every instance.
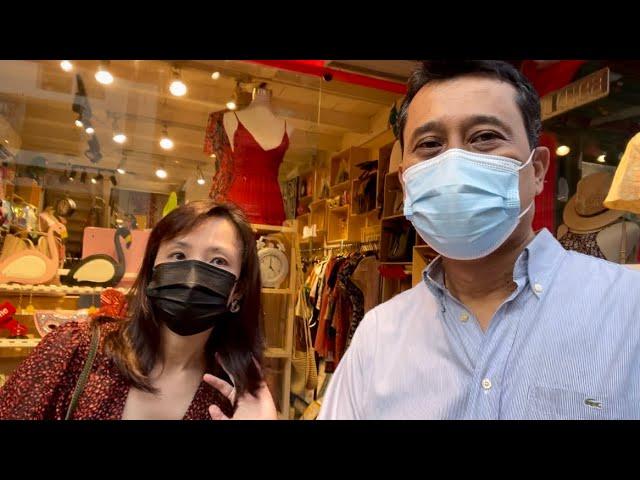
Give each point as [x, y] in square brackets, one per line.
[506, 324]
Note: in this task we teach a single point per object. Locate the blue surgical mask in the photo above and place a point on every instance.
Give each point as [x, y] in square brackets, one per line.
[464, 204]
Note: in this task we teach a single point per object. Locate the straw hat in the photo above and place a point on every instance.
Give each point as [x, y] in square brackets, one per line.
[585, 210]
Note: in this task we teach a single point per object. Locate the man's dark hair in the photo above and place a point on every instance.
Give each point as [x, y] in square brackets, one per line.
[527, 98]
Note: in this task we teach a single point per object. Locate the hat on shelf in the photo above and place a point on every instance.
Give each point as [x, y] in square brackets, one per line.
[585, 210]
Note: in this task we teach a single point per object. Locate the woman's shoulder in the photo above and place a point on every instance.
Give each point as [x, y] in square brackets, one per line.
[75, 335]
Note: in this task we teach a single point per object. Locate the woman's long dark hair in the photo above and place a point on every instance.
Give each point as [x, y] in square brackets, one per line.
[135, 346]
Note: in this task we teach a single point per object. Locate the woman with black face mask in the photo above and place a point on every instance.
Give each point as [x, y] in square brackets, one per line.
[188, 346]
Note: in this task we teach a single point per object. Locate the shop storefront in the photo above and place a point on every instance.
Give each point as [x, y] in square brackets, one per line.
[95, 153]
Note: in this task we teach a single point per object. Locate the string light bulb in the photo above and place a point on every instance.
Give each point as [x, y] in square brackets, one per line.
[231, 105]
[563, 150]
[66, 65]
[215, 75]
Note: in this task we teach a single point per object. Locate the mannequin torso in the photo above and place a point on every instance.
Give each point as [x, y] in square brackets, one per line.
[266, 128]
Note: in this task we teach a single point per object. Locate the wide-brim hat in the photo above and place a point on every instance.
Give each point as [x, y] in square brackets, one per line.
[585, 210]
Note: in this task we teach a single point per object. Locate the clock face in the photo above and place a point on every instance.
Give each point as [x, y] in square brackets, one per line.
[273, 267]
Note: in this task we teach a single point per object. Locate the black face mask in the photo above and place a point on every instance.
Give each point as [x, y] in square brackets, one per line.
[190, 296]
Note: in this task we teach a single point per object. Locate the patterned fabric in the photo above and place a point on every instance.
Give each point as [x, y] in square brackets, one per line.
[582, 243]
[216, 142]
[355, 295]
[564, 345]
[42, 385]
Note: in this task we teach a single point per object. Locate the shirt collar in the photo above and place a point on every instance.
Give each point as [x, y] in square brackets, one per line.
[538, 262]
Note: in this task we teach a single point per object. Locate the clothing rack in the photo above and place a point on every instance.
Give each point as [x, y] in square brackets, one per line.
[343, 245]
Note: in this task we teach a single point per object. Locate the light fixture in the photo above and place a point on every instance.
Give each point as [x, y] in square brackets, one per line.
[98, 177]
[94, 181]
[103, 75]
[83, 177]
[79, 123]
[602, 158]
[113, 180]
[231, 105]
[213, 155]
[66, 65]
[215, 75]
[161, 171]
[201, 180]
[118, 134]
[72, 175]
[563, 150]
[177, 87]
[165, 142]
[89, 128]
[121, 170]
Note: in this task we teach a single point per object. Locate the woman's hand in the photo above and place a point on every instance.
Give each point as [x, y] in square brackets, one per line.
[260, 407]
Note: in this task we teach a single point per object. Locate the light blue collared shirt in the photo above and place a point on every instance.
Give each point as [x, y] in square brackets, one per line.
[564, 345]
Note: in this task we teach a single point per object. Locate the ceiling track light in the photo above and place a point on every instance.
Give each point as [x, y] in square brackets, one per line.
[177, 87]
[103, 75]
[200, 180]
[121, 170]
[98, 177]
[118, 134]
[161, 171]
[165, 141]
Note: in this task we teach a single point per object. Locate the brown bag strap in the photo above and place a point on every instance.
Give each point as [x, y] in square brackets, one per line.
[84, 375]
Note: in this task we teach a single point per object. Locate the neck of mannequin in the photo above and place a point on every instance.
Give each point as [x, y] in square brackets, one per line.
[261, 98]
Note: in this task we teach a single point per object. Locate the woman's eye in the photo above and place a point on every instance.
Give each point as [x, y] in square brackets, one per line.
[219, 261]
[177, 256]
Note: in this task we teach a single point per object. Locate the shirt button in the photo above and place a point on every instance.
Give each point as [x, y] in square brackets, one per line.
[486, 384]
[537, 288]
[464, 317]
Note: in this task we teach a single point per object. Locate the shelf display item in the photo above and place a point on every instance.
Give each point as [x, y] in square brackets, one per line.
[274, 265]
[100, 269]
[30, 266]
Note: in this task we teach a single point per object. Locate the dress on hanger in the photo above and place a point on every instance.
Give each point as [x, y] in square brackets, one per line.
[246, 175]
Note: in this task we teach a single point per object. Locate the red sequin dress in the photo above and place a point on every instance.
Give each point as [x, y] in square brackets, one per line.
[246, 175]
[42, 385]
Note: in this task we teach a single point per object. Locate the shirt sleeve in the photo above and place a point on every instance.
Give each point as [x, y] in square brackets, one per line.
[349, 386]
[34, 390]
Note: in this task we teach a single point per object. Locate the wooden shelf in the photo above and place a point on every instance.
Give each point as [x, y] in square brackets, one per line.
[19, 342]
[258, 228]
[277, 291]
[51, 290]
[340, 187]
[343, 208]
[317, 202]
[274, 352]
[394, 217]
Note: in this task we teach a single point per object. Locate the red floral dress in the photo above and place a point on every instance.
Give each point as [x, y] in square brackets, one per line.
[41, 387]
